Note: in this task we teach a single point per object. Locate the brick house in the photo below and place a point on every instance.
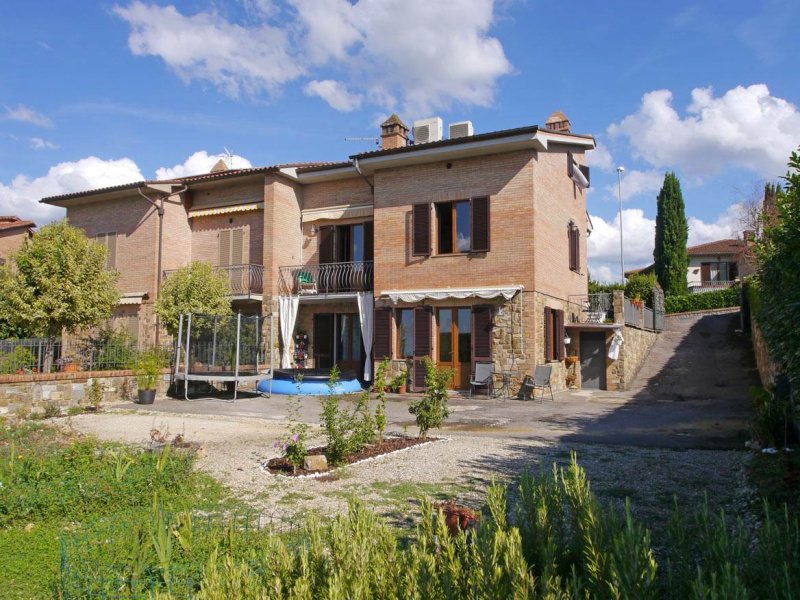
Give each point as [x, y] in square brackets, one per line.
[464, 249]
[13, 232]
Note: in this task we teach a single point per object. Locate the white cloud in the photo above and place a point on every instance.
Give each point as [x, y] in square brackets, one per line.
[21, 196]
[198, 163]
[25, 114]
[41, 144]
[425, 55]
[728, 225]
[236, 59]
[636, 183]
[334, 93]
[746, 127]
[600, 158]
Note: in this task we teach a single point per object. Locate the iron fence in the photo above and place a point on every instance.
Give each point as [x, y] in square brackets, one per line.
[592, 308]
[26, 356]
[244, 279]
[329, 278]
[711, 286]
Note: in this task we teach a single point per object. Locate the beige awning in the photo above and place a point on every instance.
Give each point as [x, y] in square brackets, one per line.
[224, 210]
[485, 293]
[347, 211]
[132, 298]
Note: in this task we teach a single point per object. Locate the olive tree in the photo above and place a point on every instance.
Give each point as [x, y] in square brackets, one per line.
[197, 288]
[57, 281]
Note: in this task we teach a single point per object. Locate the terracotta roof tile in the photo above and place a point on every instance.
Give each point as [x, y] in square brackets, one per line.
[13, 222]
[729, 246]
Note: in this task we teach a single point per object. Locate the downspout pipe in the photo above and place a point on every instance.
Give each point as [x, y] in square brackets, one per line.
[159, 206]
[364, 177]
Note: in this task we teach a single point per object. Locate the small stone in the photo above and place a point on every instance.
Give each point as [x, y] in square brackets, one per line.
[201, 452]
[29, 527]
[315, 462]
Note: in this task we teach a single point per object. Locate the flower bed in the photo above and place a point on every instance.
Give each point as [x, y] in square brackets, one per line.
[281, 465]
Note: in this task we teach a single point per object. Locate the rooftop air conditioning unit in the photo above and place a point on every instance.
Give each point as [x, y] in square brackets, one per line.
[428, 130]
[461, 129]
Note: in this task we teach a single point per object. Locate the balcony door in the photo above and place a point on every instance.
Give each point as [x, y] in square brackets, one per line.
[454, 343]
[344, 244]
[337, 341]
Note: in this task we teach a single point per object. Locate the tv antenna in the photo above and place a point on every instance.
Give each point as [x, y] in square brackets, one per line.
[228, 157]
[374, 140]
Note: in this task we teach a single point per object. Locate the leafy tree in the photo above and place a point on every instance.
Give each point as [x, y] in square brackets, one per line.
[197, 288]
[57, 282]
[779, 276]
[672, 232]
[640, 287]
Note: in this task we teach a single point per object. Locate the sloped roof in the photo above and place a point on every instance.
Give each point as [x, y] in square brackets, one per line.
[728, 246]
[14, 222]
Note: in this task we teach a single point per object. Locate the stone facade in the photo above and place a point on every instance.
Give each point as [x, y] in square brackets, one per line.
[34, 392]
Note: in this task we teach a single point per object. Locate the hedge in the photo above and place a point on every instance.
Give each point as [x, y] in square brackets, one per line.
[703, 300]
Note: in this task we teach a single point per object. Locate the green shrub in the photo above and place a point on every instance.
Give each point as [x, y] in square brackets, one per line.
[703, 301]
[771, 419]
[431, 411]
[640, 287]
[595, 287]
[19, 359]
[112, 350]
[148, 368]
[346, 431]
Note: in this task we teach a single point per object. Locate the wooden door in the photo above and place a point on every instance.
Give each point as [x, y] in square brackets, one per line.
[454, 343]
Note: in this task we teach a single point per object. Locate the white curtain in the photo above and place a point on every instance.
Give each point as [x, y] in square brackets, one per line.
[287, 306]
[365, 314]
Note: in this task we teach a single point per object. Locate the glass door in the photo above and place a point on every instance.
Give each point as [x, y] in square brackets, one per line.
[454, 343]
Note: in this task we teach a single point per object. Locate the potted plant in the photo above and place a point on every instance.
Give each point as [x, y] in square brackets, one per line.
[148, 371]
[570, 360]
[399, 382]
[68, 364]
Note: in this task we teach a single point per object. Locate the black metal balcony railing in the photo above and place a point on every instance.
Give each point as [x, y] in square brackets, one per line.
[244, 279]
[592, 308]
[710, 286]
[332, 278]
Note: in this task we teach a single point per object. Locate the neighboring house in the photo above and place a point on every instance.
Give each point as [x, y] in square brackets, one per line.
[713, 265]
[13, 232]
[468, 248]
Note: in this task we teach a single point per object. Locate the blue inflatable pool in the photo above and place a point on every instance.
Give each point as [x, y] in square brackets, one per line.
[312, 382]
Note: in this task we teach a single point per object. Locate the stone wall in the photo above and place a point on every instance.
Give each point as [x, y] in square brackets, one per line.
[620, 373]
[66, 389]
[767, 368]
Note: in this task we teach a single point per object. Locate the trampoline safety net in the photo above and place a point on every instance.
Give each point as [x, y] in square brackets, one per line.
[224, 347]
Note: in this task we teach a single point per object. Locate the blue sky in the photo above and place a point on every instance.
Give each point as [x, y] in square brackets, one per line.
[95, 94]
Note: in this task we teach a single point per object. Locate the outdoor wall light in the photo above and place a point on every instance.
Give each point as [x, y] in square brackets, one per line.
[314, 230]
[567, 340]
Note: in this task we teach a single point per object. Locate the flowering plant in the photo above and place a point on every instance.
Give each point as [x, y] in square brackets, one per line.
[294, 448]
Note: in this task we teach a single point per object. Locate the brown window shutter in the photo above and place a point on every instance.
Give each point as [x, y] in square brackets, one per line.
[421, 230]
[570, 163]
[325, 245]
[705, 272]
[482, 333]
[481, 224]
[382, 336]
[111, 260]
[422, 345]
[224, 248]
[369, 240]
[577, 249]
[237, 247]
[562, 350]
[548, 334]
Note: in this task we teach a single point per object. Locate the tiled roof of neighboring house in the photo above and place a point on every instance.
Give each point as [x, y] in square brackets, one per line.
[187, 179]
[13, 222]
[729, 246]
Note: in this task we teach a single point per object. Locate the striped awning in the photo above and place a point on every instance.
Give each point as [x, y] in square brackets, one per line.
[486, 293]
[348, 211]
[132, 298]
[224, 210]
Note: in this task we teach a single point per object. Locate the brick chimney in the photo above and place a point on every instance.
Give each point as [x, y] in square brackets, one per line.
[394, 133]
[558, 121]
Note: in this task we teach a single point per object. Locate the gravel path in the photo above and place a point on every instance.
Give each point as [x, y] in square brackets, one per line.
[458, 466]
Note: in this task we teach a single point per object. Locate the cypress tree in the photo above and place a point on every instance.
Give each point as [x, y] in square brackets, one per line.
[672, 231]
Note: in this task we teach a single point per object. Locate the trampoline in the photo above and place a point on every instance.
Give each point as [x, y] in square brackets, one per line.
[309, 382]
[227, 349]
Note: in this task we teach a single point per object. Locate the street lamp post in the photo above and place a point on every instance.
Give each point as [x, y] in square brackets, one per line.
[620, 171]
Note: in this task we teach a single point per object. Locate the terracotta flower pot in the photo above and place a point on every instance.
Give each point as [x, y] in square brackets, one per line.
[71, 368]
[457, 518]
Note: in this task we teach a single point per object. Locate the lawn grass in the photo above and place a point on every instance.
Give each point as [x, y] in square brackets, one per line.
[53, 484]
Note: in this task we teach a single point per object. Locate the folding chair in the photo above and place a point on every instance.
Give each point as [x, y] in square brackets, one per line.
[306, 283]
[541, 380]
[483, 376]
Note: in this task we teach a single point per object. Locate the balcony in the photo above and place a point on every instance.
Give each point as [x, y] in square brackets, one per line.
[332, 278]
[592, 308]
[247, 281]
[710, 286]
